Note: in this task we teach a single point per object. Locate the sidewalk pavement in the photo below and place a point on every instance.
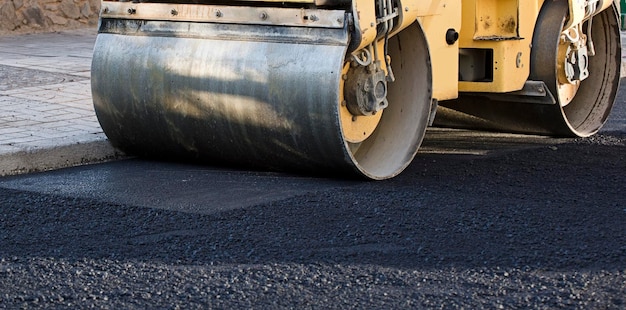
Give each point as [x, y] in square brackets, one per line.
[47, 120]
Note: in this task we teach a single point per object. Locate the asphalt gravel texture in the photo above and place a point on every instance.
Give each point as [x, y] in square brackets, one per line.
[535, 227]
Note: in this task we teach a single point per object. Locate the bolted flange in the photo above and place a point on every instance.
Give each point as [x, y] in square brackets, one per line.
[366, 89]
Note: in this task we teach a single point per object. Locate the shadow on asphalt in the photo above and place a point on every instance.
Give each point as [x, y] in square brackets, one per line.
[553, 207]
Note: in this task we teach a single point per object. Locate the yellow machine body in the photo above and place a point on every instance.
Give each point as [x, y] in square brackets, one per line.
[346, 85]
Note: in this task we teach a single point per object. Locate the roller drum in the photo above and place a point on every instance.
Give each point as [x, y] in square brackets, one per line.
[262, 97]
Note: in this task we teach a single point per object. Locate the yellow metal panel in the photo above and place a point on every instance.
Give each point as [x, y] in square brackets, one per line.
[511, 51]
[409, 10]
[365, 21]
[496, 19]
[436, 20]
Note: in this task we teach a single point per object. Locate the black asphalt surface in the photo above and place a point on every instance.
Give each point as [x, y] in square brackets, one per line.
[538, 223]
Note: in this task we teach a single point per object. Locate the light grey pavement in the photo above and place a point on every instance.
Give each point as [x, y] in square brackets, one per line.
[47, 119]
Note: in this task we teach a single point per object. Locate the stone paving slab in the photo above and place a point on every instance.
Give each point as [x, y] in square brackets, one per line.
[17, 78]
[47, 120]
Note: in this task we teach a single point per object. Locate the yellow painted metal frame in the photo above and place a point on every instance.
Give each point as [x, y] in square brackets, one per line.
[365, 21]
[506, 27]
[436, 17]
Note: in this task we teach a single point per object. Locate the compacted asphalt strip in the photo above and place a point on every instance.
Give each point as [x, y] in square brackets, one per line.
[47, 120]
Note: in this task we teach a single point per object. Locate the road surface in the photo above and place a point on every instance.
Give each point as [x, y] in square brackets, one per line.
[479, 220]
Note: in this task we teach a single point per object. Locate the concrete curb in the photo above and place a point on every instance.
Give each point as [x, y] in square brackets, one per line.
[63, 156]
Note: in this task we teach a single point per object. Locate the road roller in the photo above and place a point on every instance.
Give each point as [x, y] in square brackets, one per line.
[347, 87]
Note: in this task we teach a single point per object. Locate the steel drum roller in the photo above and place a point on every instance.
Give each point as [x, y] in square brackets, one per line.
[267, 97]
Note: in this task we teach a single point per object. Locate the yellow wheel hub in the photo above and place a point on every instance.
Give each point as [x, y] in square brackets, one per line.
[355, 128]
[566, 88]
